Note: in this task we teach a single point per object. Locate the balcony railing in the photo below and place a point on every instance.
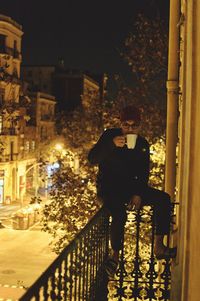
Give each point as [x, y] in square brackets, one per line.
[77, 273]
[47, 117]
[140, 275]
[8, 158]
[8, 131]
[42, 95]
[10, 51]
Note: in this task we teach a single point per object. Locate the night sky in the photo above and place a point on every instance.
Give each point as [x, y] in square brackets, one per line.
[86, 33]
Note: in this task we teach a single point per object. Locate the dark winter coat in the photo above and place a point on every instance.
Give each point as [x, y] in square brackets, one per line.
[122, 171]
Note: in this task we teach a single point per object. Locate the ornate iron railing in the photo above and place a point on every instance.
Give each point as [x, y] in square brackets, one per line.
[47, 117]
[77, 273]
[7, 158]
[8, 131]
[140, 275]
[10, 51]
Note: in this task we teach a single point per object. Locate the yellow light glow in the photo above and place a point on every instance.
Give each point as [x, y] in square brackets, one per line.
[58, 147]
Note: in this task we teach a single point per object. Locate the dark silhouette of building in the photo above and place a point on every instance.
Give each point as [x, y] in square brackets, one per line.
[71, 88]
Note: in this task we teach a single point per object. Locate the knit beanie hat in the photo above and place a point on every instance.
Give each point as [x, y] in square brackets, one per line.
[130, 113]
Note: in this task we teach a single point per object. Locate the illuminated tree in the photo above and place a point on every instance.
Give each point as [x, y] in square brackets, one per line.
[146, 49]
[73, 192]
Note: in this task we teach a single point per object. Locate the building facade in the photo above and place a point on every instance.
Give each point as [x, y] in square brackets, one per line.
[42, 112]
[10, 61]
[186, 268]
[39, 77]
[25, 121]
[71, 87]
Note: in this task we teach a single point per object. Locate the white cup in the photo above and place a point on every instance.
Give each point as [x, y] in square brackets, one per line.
[131, 140]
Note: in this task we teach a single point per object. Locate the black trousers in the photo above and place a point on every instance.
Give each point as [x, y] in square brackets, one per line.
[116, 204]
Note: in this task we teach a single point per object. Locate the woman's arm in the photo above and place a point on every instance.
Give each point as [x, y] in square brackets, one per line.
[102, 149]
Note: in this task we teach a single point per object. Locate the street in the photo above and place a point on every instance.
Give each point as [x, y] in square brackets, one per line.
[24, 255]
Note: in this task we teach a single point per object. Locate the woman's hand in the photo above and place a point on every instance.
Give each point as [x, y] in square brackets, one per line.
[119, 141]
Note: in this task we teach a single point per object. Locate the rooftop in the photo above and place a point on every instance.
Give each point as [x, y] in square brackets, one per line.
[11, 21]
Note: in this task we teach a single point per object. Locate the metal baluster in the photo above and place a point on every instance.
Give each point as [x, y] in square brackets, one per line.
[75, 272]
[94, 266]
[53, 287]
[80, 269]
[37, 295]
[166, 277]
[92, 263]
[151, 274]
[101, 244]
[166, 274]
[136, 273]
[87, 265]
[122, 273]
[99, 262]
[96, 278]
[60, 286]
[103, 240]
[94, 237]
[84, 267]
[71, 277]
[65, 278]
[45, 292]
[98, 258]
[106, 231]
[105, 250]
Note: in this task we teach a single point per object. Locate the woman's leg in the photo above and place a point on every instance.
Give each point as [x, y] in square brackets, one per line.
[162, 211]
[119, 217]
[162, 208]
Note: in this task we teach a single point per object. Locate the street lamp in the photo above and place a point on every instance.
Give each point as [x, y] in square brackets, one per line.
[59, 152]
[59, 147]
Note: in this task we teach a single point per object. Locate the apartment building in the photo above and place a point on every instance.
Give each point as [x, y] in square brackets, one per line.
[10, 118]
[70, 87]
[25, 121]
[42, 112]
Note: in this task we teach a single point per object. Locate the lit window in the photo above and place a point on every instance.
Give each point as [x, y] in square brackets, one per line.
[43, 132]
[1, 124]
[27, 146]
[33, 145]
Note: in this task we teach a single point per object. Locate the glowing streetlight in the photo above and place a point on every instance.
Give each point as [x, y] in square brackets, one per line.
[59, 147]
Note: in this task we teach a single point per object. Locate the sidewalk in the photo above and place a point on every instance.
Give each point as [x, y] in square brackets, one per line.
[24, 254]
[14, 292]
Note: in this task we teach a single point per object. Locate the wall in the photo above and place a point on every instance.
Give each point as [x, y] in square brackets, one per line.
[186, 271]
